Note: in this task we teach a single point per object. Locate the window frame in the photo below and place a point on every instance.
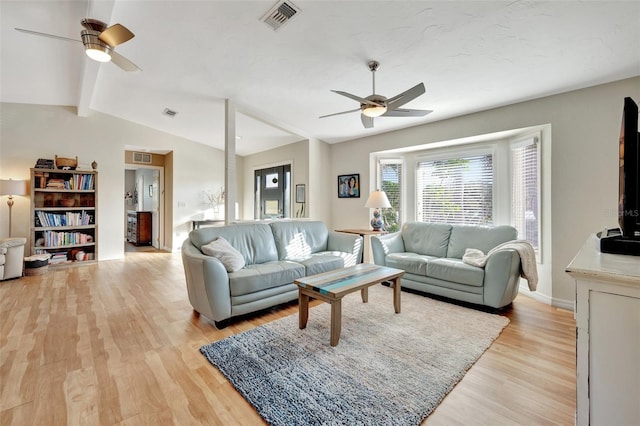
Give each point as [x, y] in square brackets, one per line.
[402, 183]
[521, 142]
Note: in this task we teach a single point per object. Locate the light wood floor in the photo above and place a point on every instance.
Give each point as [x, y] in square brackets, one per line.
[117, 343]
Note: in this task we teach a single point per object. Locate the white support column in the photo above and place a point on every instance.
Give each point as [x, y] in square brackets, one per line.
[230, 161]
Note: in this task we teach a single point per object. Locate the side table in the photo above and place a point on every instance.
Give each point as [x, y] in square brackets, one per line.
[365, 234]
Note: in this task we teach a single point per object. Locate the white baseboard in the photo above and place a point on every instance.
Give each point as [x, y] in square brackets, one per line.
[558, 303]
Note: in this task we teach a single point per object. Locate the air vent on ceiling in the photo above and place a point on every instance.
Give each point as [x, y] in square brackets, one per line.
[280, 14]
[169, 112]
[142, 157]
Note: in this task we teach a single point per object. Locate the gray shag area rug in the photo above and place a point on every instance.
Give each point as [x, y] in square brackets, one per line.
[387, 369]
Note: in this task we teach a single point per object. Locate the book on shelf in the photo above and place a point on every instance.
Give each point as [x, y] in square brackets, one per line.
[55, 239]
[58, 258]
[82, 182]
[64, 219]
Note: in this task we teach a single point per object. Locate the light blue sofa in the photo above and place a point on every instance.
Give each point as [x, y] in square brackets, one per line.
[431, 256]
[275, 254]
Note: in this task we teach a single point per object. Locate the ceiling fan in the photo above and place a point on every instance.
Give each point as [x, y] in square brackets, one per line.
[99, 42]
[379, 106]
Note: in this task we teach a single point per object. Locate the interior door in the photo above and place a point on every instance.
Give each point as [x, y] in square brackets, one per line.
[273, 189]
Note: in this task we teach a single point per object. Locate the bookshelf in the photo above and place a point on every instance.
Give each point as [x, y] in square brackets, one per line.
[64, 215]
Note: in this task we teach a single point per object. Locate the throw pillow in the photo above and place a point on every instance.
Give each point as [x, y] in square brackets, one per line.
[220, 248]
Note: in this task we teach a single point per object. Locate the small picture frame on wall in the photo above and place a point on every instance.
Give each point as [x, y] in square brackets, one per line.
[300, 193]
[349, 186]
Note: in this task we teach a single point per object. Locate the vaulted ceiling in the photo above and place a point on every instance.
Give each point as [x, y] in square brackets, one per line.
[470, 55]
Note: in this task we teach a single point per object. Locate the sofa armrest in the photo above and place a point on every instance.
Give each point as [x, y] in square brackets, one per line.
[12, 242]
[347, 243]
[12, 249]
[207, 283]
[501, 278]
[382, 245]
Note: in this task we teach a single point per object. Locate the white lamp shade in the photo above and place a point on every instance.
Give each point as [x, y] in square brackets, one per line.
[13, 187]
[378, 199]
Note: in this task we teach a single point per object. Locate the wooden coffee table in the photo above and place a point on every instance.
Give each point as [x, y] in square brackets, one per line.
[332, 286]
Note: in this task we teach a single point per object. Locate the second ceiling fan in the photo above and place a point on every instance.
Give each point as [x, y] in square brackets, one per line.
[376, 105]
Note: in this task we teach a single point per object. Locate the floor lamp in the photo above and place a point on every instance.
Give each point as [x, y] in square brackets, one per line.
[12, 187]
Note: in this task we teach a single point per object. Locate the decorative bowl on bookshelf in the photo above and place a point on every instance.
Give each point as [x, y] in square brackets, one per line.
[70, 163]
[67, 202]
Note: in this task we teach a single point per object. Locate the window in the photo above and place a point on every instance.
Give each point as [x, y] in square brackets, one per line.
[457, 190]
[525, 190]
[390, 178]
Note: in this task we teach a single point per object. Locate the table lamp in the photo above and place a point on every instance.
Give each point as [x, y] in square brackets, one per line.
[12, 187]
[377, 200]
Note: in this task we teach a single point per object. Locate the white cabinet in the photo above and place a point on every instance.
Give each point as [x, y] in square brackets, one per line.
[608, 336]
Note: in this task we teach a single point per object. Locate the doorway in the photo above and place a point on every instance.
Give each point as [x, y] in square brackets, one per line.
[144, 193]
[272, 188]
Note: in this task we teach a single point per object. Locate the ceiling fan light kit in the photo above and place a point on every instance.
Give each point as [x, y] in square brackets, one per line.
[374, 110]
[378, 106]
[94, 47]
[99, 41]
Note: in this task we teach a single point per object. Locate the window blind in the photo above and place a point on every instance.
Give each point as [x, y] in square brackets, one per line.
[525, 191]
[456, 190]
[390, 178]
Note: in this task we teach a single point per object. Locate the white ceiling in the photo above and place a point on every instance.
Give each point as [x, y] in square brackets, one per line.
[471, 56]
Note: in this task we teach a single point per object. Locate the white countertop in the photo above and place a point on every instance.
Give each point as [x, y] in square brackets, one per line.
[591, 263]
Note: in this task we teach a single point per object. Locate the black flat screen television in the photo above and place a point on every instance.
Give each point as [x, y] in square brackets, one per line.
[629, 172]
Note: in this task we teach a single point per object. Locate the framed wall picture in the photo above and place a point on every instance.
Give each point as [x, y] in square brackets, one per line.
[300, 195]
[349, 186]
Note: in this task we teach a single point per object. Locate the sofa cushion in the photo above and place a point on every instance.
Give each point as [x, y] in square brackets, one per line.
[253, 240]
[299, 239]
[412, 263]
[321, 262]
[455, 270]
[263, 276]
[431, 239]
[478, 237]
[220, 248]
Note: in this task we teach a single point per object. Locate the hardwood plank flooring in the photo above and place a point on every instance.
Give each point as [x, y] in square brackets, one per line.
[116, 343]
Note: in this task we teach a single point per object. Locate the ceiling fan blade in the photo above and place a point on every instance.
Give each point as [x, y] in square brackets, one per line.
[406, 96]
[22, 30]
[115, 35]
[367, 121]
[406, 112]
[123, 62]
[355, 98]
[340, 113]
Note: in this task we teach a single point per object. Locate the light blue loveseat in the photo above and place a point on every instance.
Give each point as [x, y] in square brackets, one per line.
[275, 254]
[431, 256]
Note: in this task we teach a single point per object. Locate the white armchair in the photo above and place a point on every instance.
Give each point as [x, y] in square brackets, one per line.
[11, 257]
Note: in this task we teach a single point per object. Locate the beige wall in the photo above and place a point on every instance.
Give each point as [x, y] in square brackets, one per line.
[30, 132]
[584, 124]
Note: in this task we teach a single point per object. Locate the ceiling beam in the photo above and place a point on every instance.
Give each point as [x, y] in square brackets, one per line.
[101, 10]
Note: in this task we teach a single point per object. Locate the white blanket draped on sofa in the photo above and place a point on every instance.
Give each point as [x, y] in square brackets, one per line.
[528, 268]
